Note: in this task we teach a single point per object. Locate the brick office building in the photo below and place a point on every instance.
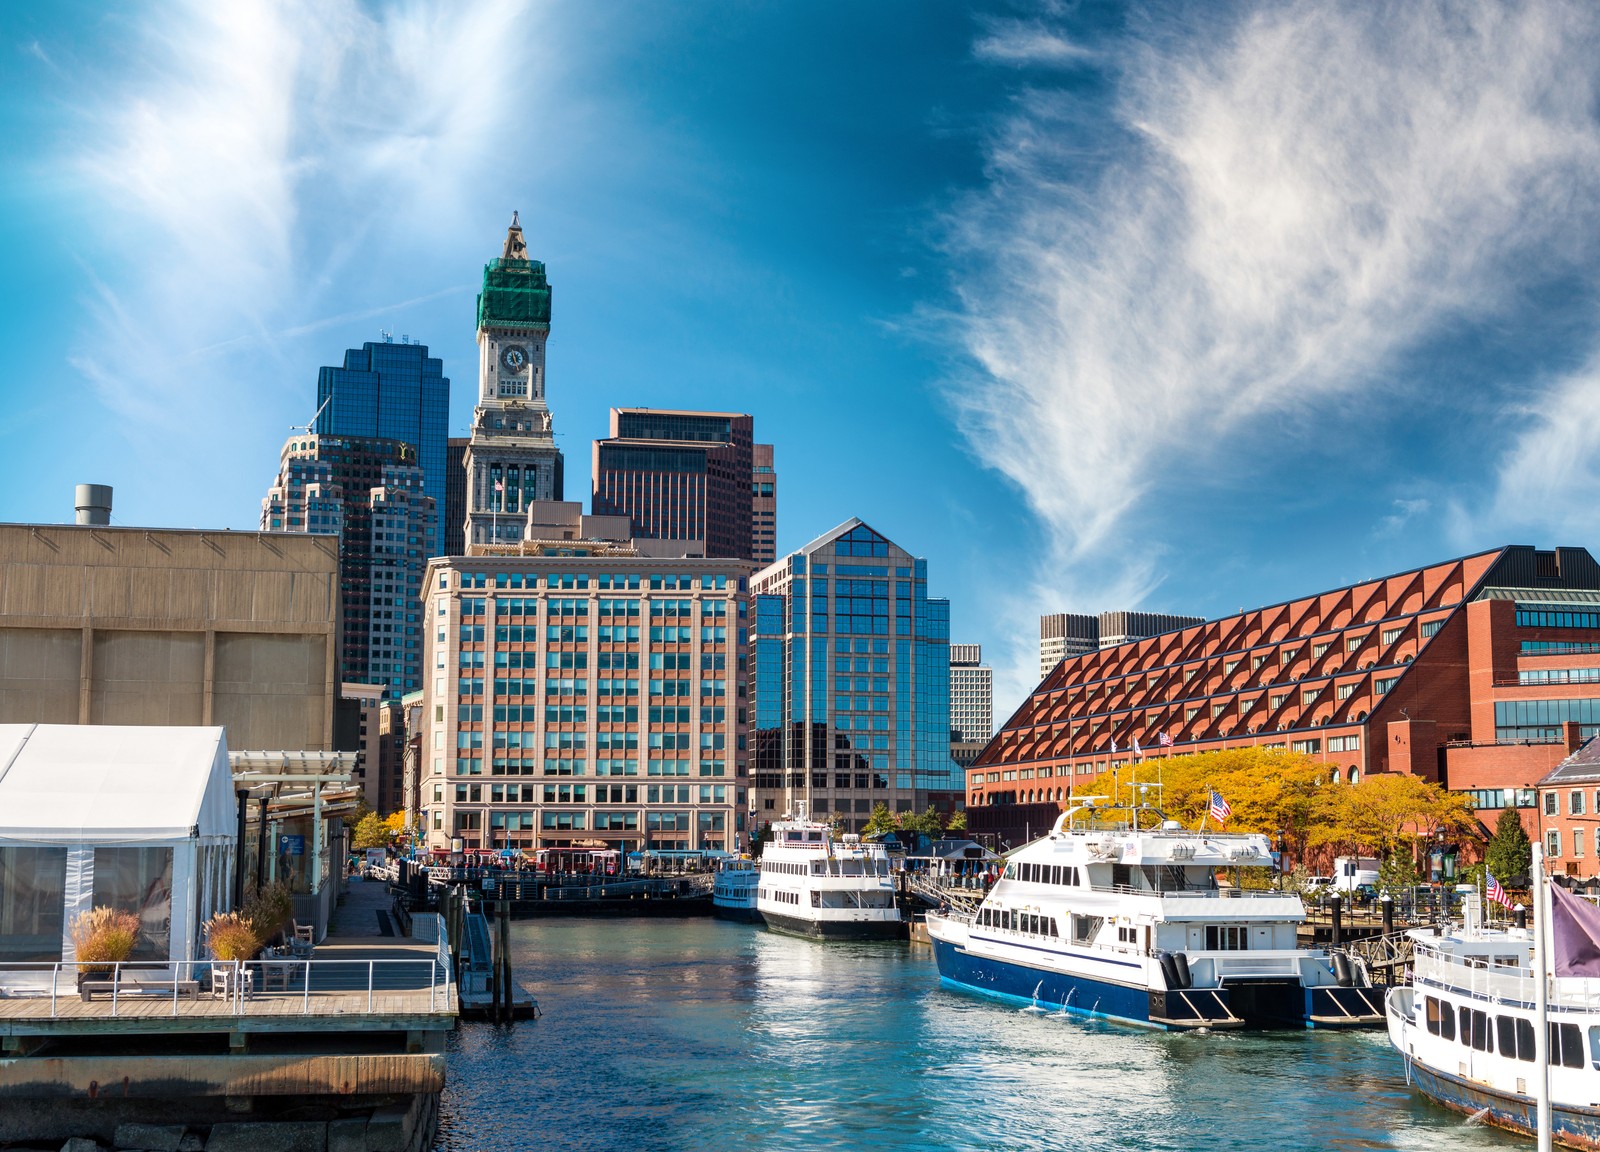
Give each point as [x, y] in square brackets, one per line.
[1478, 673]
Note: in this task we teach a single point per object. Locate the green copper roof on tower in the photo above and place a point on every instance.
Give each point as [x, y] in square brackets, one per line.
[515, 292]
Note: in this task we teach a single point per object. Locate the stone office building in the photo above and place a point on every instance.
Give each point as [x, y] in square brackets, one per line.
[102, 625]
[579, 693]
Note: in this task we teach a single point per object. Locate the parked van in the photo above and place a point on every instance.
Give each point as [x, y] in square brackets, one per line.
[1352, 872]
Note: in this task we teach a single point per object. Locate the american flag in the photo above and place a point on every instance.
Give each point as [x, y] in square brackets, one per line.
[1166, 740]
[1220, 808]
[1497, 893]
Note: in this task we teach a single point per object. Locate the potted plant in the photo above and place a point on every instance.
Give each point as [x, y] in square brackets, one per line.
[270, 911]
[101, 939]
[231, 937]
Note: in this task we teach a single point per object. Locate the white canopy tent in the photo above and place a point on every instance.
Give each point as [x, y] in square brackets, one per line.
[140, 818]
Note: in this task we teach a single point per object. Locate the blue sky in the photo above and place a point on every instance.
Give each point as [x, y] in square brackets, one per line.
[1174, 306]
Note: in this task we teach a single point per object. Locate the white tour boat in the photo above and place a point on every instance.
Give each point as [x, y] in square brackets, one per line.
[812, 885]
[733, 890]
[1104, 917]
[1466, 1028]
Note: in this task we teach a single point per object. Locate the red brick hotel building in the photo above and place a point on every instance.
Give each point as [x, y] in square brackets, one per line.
[1480, 673]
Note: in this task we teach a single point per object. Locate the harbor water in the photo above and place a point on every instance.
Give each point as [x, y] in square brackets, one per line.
[667, 1035]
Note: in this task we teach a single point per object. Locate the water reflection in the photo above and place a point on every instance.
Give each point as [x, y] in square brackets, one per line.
[662, 1035]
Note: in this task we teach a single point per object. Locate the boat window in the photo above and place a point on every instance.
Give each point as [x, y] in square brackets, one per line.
[1437, 1018]
[1594, 1043]
[1514, 1037]
[1121, 876]
[1505, 1028]
[1227, 938]
[1475, 1028]
[1054, 931]
[1086, 928]
[1566, 1045]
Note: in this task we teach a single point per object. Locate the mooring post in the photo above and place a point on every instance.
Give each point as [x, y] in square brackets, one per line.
[494, 970]
[505, 958]
[1335, 906]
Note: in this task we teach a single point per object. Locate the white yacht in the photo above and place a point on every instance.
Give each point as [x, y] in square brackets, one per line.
[733, 890]
[1466, 1025]
[812, 885]
[1106, 917]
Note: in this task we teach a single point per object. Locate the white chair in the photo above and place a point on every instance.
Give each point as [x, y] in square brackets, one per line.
[305, 934]
[223, 985]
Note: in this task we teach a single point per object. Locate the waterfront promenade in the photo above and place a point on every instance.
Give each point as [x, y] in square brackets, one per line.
[347, 1033]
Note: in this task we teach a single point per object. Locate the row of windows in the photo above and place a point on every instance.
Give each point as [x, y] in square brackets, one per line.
[1559, 676]
[1580, 837]
[1554, 618]
[1058, 874]
[630, 582]
[1513, 1036]
[1029, 923]
[1501, 797]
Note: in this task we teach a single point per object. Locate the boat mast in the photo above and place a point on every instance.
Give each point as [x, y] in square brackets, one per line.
[1541, 997]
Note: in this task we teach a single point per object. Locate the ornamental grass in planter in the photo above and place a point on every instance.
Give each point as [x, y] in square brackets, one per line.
[270, 911]
[231, 936]
[103, 937]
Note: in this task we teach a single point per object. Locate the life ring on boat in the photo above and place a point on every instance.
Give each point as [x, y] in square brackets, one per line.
[1175, 969]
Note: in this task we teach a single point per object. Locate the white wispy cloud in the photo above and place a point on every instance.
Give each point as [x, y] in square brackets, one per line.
[1548, 479]
[259, 150]
[1029, 43]
[1282, 207]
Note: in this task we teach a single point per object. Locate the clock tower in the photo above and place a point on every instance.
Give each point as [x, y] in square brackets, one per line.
[512, 458]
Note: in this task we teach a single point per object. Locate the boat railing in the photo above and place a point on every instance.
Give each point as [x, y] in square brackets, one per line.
[1203, 893]
[1471, 975]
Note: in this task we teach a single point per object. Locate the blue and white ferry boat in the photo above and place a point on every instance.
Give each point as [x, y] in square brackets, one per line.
[1105, 917]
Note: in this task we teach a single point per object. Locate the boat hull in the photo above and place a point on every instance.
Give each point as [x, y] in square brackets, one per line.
[834, 929]
[1570, 1127]
[1257, 1005]
[746, 913]
[1077, 995]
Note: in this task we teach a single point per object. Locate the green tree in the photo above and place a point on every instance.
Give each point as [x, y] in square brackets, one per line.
[1510, 853]
[370, 832]
[882, 820]
[928, 822]
[1398, 871]
[958, 820]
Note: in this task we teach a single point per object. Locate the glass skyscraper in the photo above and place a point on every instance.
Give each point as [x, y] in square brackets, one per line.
[851, 671]
[393, 392]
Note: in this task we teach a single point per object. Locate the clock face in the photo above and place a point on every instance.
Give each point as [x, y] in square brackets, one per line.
[514, 358]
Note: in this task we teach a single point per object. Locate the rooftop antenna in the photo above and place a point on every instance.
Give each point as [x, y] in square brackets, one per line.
[387, 334]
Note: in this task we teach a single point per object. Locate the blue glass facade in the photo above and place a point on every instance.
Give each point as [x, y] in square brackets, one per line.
[393, 392]
[851, 663]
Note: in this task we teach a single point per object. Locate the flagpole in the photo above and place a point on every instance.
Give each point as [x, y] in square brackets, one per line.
[1541, 997]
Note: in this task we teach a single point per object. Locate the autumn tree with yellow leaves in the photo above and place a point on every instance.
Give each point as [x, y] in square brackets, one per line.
[1292, 796]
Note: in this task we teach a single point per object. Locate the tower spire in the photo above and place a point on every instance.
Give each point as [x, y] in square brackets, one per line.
[515, 248]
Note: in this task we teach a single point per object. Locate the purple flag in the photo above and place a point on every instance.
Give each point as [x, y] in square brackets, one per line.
[1575, 931]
